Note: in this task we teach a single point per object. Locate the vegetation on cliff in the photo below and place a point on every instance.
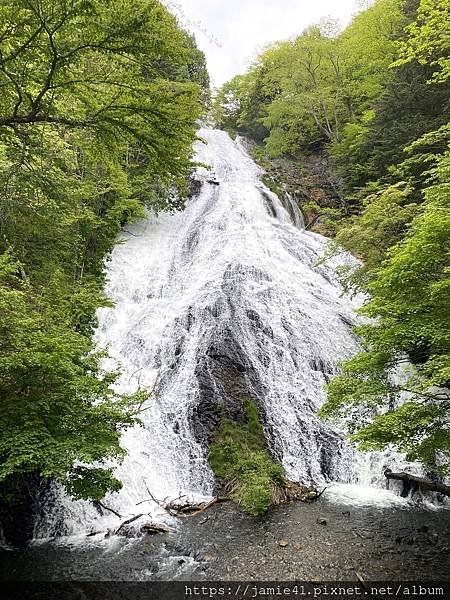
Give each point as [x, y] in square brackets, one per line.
[374, 99]
[240, 458]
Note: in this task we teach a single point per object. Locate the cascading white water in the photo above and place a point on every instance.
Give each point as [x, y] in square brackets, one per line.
[232, 280]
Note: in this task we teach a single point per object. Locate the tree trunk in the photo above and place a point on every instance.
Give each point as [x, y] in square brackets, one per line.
[412, 481]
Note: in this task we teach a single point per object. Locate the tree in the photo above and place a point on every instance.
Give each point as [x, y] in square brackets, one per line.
[409, 283]
[429, 39]
[311, 105]
[58, 407]
[299, 95]
[409, 305]
[98, 111]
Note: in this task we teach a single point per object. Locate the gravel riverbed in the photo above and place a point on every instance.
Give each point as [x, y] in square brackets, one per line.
[323, 541]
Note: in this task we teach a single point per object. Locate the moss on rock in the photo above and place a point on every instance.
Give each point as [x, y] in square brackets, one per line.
[240, 458]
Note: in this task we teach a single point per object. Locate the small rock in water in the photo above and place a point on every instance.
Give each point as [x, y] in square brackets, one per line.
[153, 528]
[322, 521]
[208, 557]
[283, 543]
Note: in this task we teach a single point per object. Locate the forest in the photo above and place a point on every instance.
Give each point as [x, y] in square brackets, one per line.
[100, 105]
[98, 111]
[374, 100]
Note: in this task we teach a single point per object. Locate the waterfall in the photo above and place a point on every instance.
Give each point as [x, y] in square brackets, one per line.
[225, 299]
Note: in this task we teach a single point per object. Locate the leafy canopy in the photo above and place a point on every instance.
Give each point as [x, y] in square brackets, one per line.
[98, 111]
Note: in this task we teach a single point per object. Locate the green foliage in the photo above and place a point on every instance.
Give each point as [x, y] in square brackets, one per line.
[404, 238]
[336, 91]
[319, 93]
[415, 429]
[57, 403]
[384, 220]
[409, 302]
[429, 38]
[300, 94]
[98, 111]
[91, 484]
[407, 109]
[239, 456]
[227, 105]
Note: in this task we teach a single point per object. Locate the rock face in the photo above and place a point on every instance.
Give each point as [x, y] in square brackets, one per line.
[225, 377]
[18, 509]
[309, 182]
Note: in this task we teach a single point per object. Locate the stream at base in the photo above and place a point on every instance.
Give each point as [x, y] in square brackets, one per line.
[324, 541]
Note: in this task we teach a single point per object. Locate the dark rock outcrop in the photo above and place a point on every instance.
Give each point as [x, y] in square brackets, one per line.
[18, 508]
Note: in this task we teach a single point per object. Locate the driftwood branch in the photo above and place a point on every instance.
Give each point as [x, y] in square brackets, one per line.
[320, 493]
[185, 507]
[195, 509]
[411, 481]
[101, 505]
[170, 507]
[128, 521]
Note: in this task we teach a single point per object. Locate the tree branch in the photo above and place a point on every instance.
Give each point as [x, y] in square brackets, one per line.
[23, 47]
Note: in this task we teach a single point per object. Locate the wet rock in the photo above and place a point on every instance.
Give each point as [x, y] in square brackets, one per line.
[154, 528]
[195, 186]
[18, 517]
[255, 554]
[321, 521]
[225, 380]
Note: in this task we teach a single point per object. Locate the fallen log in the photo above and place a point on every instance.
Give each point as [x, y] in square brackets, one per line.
[412, 481]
